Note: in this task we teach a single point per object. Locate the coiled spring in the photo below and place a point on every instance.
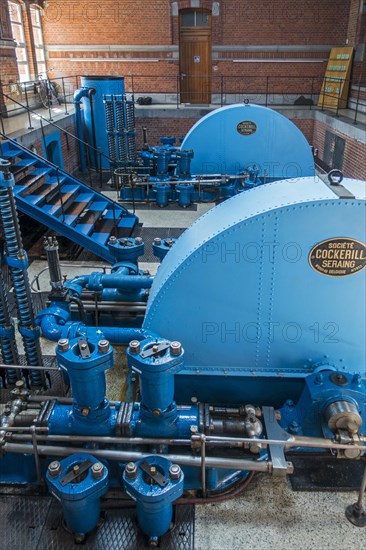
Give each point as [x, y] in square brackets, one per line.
[20, 282]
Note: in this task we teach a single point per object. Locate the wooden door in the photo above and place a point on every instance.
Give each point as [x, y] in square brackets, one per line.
[195, 56]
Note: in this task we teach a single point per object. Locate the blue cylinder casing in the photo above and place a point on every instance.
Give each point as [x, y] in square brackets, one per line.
[162, 191]
[153, 502]
[102, 85]
[156, 373]
[87, 377]
[185, 191]
[80, 501]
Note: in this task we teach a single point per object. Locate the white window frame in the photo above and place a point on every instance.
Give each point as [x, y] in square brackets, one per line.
[39, 47]
[21, 45]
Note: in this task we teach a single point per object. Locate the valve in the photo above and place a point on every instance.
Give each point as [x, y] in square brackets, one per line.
[154, 484]
[78, 482]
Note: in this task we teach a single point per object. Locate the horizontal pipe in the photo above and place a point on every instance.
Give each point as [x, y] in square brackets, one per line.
[102, 439]
[294, 441]
[127, 456]
[25, 367]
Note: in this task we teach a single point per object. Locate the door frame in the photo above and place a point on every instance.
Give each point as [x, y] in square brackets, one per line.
[191, 95]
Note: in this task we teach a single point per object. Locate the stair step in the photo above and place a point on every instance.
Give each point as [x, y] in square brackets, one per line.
[76, 208]
[91, 216]
[33, 181]
[127, 222]
[22, 166]
[99, 205]
[84, 228]
[52, 209]
[100, 238]
[11, 154]
[46, 192]
[68, 194]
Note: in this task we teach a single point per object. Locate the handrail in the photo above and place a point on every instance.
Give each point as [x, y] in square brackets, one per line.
[56, 126]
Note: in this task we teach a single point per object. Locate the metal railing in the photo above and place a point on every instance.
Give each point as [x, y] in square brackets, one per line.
[27, 95]
[88, 149]
[276, 91]
[217, 90]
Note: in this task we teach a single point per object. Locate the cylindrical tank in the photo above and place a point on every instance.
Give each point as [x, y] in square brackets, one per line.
[94, 115]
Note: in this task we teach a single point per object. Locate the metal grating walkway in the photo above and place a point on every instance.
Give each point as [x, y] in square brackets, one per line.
[35, 523]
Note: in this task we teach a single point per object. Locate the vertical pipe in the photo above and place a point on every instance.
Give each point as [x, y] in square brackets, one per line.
[30, 127]
[91, 92]
[358, 100]
[64, 94]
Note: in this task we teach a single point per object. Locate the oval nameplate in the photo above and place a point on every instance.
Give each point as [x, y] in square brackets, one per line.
[338, 257]
[246, 128]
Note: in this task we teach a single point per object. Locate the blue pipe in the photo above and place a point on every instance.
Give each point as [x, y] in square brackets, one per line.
[78, 95]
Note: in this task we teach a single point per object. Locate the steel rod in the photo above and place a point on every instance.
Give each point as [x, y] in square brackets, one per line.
[126, 456]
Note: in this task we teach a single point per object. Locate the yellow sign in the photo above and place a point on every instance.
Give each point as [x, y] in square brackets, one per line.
[334, 91]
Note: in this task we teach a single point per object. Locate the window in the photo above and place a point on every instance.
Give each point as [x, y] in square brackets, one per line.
[17, 26]
[195, 18]
[38, 40]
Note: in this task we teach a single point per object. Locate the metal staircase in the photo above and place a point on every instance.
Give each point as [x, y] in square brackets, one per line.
[64, 204]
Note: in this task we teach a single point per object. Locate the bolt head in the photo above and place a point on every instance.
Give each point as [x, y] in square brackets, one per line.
[156, 412]
[131, 470]
[157, 241]
[85, 411]
[175, 472]
[138, 240]
[63, 345]
[54, 469]
[112, 240]
[193, 429]
[103, 346]
[175, 348]
[194, 400]
[97, 470]
[19, 384]
[134, 347]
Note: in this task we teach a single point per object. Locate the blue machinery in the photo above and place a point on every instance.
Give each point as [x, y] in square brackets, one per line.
[230, 150]
[251, 348]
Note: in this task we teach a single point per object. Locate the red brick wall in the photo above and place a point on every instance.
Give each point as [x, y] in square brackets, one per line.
[108, 22]
[138, 23]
